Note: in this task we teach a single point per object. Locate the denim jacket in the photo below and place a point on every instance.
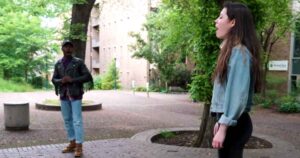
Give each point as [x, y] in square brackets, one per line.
[234, 97]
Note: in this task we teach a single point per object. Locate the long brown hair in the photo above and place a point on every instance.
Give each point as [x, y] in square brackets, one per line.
[243, 32]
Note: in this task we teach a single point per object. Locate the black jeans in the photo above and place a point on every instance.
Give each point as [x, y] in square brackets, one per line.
[236, 138]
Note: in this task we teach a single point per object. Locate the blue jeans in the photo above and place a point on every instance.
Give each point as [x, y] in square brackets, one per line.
[72, 115]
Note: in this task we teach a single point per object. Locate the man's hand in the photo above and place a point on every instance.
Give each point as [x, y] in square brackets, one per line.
[66, 79]
[220, 133]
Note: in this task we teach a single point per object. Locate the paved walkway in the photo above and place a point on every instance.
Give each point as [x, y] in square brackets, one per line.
[124, 115]
[130, 148]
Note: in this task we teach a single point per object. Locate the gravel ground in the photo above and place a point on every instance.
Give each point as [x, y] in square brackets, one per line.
[123, 115]
[279, 125]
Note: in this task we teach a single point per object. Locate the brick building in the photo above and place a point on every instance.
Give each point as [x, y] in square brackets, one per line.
[108, 39]
[286, 56]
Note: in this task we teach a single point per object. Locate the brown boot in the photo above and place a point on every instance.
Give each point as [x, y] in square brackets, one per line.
[78, 150]
[70, 148]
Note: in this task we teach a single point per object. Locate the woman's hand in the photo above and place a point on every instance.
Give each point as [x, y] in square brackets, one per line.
[216, 128]
[220, 133]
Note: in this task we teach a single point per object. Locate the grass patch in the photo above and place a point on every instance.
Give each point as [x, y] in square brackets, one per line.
[56, 102]
[10, 86]
[167, 134]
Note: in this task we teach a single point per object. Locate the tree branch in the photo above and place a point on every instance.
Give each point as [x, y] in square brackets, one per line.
[268, 32]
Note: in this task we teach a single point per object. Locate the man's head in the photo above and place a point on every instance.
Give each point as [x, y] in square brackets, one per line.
[67, 47]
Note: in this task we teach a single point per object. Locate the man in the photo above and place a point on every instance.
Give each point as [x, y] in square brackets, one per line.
[69, 75]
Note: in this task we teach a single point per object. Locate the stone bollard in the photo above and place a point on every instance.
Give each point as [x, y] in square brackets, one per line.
[16, 116]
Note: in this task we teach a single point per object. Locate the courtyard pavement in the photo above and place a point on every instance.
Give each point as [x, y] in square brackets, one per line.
[122, 127]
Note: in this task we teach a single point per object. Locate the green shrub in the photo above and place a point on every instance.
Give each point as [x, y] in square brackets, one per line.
[141, 89]
[1, 73]
[181, 77]
[271, 98]
[261, 101]
[200, 87]
[287, 99]
[273, 95]
[37, 81]
[9, 86]
[97, 82]
[176, 89]
[289, 104]
[47, 84]
[154, 88]
[273, 81]
[267, 103]
[274, 88]
[257, 99]
[18, 80]
[110, 80]
[289, 107]
[164, 90]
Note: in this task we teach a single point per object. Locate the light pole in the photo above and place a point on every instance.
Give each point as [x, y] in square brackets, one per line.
[115, 74]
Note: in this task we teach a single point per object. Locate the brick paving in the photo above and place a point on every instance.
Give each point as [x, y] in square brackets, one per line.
[122, 116]
[114, 148]
[128, 148]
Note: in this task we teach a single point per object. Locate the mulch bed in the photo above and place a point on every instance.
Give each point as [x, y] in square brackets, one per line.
[187, 138]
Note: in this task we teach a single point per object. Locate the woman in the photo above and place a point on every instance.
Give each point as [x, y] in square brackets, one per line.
[236, 78]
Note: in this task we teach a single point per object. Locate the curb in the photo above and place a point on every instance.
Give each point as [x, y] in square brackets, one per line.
[146, 136]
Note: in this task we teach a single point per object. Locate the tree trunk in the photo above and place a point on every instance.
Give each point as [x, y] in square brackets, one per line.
[166, 86]
[264, 80]
[80, 15]
[26, 73]
[6, 74]
[205, 135]
[267, 48]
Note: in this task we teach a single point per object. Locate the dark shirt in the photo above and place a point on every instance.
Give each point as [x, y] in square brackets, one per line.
[66, 61]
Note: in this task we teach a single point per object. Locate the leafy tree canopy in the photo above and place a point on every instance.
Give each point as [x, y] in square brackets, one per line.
[26, 47]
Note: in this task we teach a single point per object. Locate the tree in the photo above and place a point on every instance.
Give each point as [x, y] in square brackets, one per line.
[272, 27]
[192, 35]
[81, 11]
[27, 47]
[22, 39]
[206, 47]
[166, 46]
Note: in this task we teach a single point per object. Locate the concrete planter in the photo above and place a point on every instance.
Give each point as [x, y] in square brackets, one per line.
[16, 116]
[89, 107]
[280, 149]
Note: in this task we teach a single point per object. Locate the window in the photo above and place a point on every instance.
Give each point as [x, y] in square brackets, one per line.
[296, 66]
[296, 53]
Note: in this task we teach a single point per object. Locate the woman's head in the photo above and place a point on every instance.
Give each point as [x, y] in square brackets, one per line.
[235, 22]
[223, 24]
[235, 26]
